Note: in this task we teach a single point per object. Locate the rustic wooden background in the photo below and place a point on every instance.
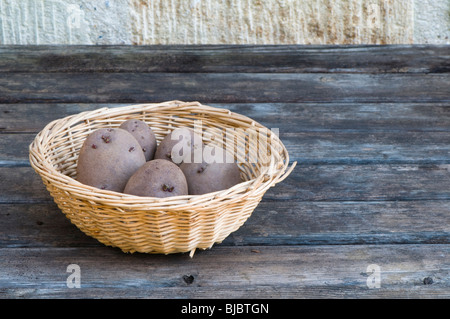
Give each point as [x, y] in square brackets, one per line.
[368, 125]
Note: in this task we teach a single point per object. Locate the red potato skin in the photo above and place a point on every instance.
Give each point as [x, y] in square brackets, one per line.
[157, 178]
[206, 177]
[143, 134]
[108, 158]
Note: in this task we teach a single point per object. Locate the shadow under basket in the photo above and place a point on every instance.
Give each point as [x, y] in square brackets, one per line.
[160, 225]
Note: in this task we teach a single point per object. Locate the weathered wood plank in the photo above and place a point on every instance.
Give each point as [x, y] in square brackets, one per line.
[291, 117]
[31, 118]
[352, 117]
[318, 148]
[244, 272]
[22, 185]
[313, 148]
[14, 149]
[231, 58]
[369, 127]
[221, 88]
[39, 225]
[306, 183]
[312, 133]
[367, 182]
[342, 223]
[271, 224]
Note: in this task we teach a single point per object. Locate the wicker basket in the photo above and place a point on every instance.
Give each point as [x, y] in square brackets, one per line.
[147, 224]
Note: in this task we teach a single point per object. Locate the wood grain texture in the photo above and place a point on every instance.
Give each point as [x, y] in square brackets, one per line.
[312, 148]
[226, 87]
[369, 127]
[368, 182]
[271, 224]
[226, 59]
[313, 133]
[306, 183]
[244, 272]
[289, 117]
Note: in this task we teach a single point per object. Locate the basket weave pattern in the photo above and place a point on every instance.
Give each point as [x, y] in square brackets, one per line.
[154, 225]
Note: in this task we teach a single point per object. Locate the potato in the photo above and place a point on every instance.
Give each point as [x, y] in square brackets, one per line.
[174, 145]
[108, 158]
[210, 176]
[143, 134]
[157, 178]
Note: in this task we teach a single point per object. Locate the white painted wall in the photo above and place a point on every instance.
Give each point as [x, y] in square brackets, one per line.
[432, 21]
[224, 21]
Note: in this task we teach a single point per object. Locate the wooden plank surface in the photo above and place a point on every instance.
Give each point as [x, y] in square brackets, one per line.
[229, 272]
[368, 125]
[361, 206]
[221, 87]
[306, 183]
[302, 117]
[226, 59]
[312, 148]
[271, 224]
[369, 133]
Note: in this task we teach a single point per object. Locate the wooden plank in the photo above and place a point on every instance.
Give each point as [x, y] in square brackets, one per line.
[368, 173]
[230, 58]
[14, 149]
[313, 148]
[31, 118]
[312, 133]
[22, 185]
[366, 182]
[306, 183]
[244, 272]
[39, 225]
[344, 223]
[291, 117]
[346, 148]
[271, 224]
[223, 88]
[351, 117]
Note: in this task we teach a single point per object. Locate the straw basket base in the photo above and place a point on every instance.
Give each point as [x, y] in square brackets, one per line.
[204, 231]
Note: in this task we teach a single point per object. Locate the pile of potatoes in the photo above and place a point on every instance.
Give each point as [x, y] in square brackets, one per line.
[128, 160]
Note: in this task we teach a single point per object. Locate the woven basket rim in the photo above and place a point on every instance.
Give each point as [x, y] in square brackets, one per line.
[274, 173]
